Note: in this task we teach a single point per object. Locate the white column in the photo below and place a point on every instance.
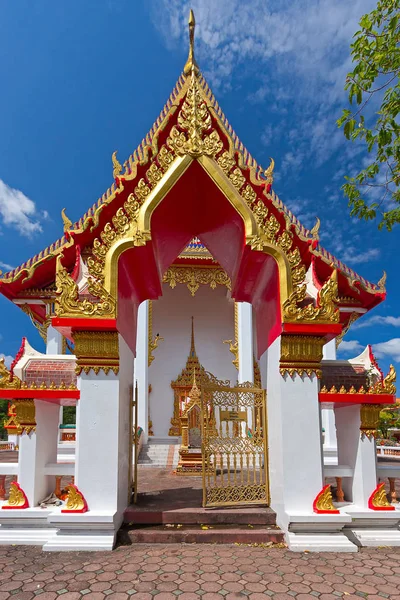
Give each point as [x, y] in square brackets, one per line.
[245, 342]
[54, 341]
[357, 453]
[294, 439]
[329, 350]
[328, 423]
[263, 363]
[36, 450]
[102, 427]
[142, 367]
[327, 414]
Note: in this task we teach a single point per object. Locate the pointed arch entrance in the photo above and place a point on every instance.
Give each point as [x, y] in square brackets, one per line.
[198, 202]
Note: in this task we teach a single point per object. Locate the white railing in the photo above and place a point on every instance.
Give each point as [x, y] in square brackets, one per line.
[392, 451]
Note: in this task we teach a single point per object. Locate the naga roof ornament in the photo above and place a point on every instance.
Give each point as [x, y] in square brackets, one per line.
[66, 221]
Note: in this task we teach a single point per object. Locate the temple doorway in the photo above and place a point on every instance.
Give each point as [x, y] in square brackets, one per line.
[204, 441]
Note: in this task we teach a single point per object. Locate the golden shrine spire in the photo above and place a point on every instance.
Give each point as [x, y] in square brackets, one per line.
[191, 64]
[192, 346]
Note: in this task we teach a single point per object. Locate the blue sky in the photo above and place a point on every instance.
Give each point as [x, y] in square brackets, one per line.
[83, 78]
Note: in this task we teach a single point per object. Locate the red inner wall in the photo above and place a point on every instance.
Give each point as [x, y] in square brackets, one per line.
[196, 207]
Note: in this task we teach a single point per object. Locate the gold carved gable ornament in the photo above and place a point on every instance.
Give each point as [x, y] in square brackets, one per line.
[195, 135]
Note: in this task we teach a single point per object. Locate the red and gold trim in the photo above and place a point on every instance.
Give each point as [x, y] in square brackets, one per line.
[17, 498]
[378, 499]
[323, 504]
[76, 502]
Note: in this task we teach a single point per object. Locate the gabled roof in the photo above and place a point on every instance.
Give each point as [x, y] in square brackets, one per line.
[36, 277]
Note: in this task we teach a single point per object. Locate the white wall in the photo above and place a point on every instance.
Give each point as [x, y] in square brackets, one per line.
[213, 322]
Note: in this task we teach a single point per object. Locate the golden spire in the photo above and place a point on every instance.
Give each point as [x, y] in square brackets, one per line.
[382, 282]
[67, 222]
[192, 346]
[194, 392]
[315, 230]
[191, 63]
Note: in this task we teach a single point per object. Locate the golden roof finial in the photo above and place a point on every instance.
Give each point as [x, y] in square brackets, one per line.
[67, 222]
[315, 230]
[382, 282]
[268, 173]
[116, 164]
[191, 63]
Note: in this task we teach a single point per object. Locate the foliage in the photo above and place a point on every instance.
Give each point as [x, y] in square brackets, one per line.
[3, 416]
[69, 415]
[376, 54]
[387, 420]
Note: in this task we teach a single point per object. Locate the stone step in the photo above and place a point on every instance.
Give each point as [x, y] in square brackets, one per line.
[197, 515]
[157, 455]
[195, 534]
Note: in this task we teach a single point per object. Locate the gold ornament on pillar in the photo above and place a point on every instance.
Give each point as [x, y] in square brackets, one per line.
[369, 417]
[234, 345]
[153, 342]
[323, 502]
[17, 497]
[76, 502]
[96, 350]
[301, 355]
[23, 417]
[378, 499]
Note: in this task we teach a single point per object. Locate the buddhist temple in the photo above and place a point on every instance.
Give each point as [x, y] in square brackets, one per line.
[189, 305]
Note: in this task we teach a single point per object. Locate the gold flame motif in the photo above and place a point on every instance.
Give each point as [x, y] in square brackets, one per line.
[379, 499]
[17, 497]
[324, 501]
[75, 499]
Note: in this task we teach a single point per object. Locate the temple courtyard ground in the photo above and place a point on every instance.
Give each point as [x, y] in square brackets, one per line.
[193, 571]
[198, 571]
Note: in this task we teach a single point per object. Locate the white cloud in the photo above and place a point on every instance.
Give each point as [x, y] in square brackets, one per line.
[350, 346]
[389, 349]
[6, 266]
[18, 211]
[7, 359]
[305, 37]
[377, 320]
[354, 256]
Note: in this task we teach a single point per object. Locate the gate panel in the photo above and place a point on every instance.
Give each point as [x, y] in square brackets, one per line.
[234, 446]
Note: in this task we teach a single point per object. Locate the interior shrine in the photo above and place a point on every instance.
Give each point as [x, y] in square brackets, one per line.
[189, 308]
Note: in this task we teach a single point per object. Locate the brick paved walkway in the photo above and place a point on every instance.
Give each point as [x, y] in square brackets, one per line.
[190, 572]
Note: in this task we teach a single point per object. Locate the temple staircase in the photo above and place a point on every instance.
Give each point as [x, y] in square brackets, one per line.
[193, 525]
[160, 452]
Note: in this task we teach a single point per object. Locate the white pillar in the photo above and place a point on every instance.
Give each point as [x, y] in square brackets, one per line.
[54, 341]
[294, 439]
[357, 453]
[245, 342]
[142, 367]
[328, 423]
[36, 450]
[102, 432]
[263, 363]
[327, 414]
[329, 350]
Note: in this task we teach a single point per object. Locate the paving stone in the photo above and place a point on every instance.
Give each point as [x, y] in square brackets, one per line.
[194, 572]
